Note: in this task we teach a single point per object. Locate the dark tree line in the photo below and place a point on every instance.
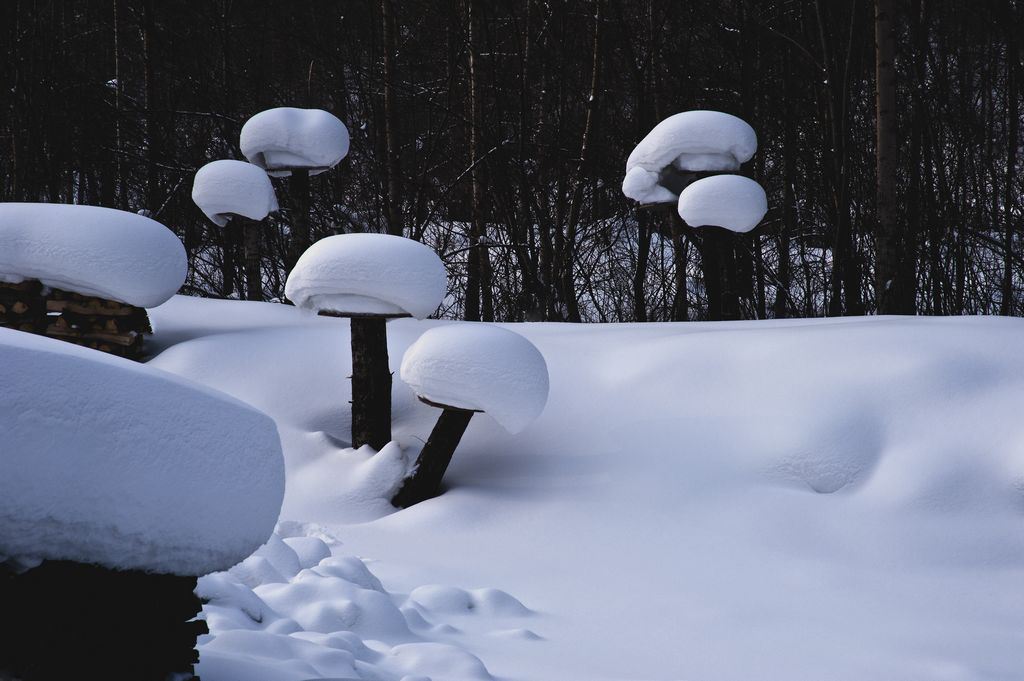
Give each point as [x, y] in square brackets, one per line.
[497, 132]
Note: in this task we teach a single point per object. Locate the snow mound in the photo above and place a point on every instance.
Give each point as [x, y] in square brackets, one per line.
[334, 620]
[691, 141]
[94, 251]
[479, 367]
[226, 188]
[734, 202]
[109, 462]
[284, 139]
[375, 274]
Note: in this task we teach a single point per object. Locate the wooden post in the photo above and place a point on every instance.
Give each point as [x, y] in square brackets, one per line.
[371, 383]
[300, 236]
[251, 242]
[434, 458]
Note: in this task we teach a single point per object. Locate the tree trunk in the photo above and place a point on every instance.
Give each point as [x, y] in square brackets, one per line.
[251, 232]
[371, 383]
[394, 210]
[887, 236]
[434, 458]
[1010, 196]
[298, 184]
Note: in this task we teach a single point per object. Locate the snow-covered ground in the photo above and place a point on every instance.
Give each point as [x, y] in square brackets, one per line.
[801, 500]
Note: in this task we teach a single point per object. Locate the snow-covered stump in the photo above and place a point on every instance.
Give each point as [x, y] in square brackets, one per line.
[239, 193]
[677, 152]
[369, 278]
[464, 369]
[295, 143]
[67, 620]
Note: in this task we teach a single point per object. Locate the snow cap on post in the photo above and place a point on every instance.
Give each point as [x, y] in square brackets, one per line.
[734, 202]
[691, 141]
[479, 367]
[378, 275]
[224, 189]
[93, 251]
[285, 139]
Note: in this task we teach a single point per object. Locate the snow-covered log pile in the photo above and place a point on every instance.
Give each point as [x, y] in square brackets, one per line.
[85, 274]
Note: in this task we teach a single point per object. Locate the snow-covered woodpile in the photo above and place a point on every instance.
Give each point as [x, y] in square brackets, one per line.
[23, 306]
[97, 323]
[85, 274]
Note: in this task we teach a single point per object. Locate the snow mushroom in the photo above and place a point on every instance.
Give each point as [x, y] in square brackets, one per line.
[688, 142]
[369, 278]
[226, 189]
[464, 369]
[235, 189]
[734, 202]
[295, 143]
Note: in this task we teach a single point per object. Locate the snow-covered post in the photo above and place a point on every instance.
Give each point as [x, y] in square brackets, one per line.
[464, 369]
[295, 143]
[674, 154]
[226, 190]
[369, 278]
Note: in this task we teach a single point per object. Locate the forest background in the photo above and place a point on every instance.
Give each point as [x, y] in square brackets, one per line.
[497, 133]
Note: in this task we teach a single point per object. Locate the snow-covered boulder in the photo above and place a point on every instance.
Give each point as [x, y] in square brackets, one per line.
[368, 274]
[94, 251]
[691, 141]
[286, 138]
[734, 202]
[479, 367]
[223, 189]
[110, 462]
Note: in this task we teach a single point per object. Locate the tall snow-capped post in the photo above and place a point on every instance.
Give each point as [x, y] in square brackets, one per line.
[369, 278]
[235, 190]
[674, 154]
[464, 369]
[295, 143]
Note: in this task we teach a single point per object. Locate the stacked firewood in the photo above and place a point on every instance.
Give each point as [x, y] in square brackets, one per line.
[23, 306]
[97, 323]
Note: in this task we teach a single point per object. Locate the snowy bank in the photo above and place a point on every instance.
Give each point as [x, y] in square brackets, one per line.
[109, 462]
[90, 250]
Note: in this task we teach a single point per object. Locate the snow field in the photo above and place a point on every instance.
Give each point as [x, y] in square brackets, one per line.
[799, 499]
